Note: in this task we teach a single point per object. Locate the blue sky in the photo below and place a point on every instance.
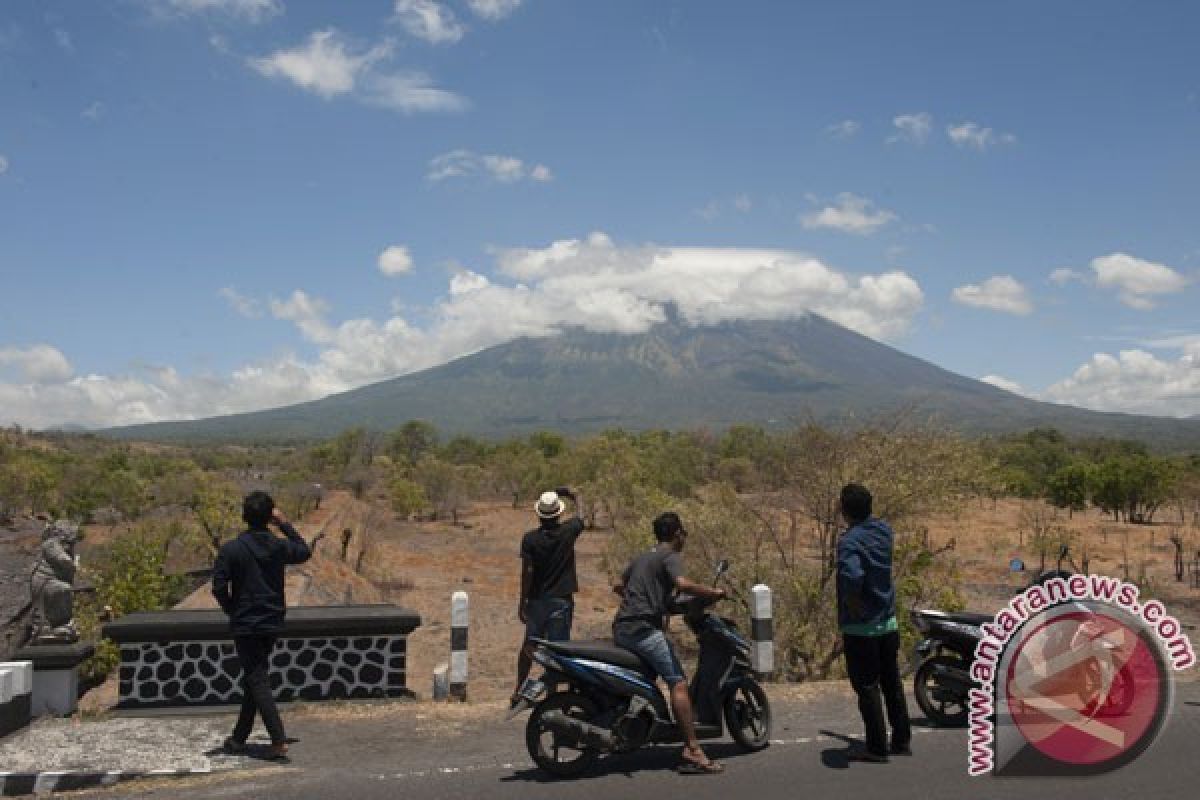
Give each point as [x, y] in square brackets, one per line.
[217, 205]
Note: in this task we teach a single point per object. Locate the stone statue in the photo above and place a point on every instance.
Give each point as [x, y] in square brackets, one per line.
[51, 586]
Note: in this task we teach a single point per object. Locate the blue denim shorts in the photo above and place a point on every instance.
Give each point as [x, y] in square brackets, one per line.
[655, 649]
[549, 618]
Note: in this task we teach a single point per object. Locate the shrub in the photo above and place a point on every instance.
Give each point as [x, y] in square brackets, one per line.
[128, 576]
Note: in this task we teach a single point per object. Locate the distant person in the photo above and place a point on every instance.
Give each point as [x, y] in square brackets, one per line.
[646, 587]
[867, 618]
[248, 583]
[548, 581]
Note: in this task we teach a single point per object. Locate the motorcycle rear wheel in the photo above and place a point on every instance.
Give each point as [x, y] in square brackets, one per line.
[748, 716]
[942, 712]
[559, 758]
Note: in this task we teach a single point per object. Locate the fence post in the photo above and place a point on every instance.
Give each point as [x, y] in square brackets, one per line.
[458, 646]
[762, 631]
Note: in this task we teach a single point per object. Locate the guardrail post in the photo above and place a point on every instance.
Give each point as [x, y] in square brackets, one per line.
[458, 646]
[762, 631]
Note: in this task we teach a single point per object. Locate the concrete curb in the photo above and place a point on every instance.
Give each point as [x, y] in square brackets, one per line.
[17, 784]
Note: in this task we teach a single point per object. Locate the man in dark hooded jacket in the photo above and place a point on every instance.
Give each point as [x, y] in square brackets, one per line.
[248, 583]
[867, 619]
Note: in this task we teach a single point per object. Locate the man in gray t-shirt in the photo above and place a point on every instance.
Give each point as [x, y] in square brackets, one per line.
[646, 587]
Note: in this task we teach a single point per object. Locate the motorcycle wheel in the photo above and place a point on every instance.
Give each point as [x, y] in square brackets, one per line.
[560, 759]
[748, 716]
[945, 713]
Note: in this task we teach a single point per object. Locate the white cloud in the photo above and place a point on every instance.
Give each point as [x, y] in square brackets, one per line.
[325, 65]
[1135, 381]
[411, 92]
[968, 134]
[63, 39]
[246, 306]
[852, 214]
[466, 281]
[998, 293]
[249, 10]
[505, 169]
[40, 364]
[590, 282]
[429, 20]
[467, 163]
[1003, 383]
[1064, 275]
[844, 129]
[328, 65]
[395, 260]
[714, 284]
[3, 164]
[307, 312]
[1137, 281]
[743, 203]
[493, 9]
[912, 128]
[93, 112]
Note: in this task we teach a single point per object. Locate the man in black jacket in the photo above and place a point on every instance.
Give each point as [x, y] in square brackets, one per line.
[248, 583]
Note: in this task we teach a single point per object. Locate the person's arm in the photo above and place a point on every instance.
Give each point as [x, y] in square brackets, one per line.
[576, 503]
[619, 587]
[673, 564]
[298, 550]
[220, 582]
[526, 587]
[850, 575]
[689, 586]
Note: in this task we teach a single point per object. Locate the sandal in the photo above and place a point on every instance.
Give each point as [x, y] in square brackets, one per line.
[692, 766]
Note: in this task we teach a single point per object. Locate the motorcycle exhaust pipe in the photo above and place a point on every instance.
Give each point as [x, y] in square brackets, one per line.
[577, 731]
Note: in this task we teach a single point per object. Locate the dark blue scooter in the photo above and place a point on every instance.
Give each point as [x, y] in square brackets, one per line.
[602, 699]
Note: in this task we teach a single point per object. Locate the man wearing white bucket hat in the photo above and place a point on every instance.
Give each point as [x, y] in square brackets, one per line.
[548, 582]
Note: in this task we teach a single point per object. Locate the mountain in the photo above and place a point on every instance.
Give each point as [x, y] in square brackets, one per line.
[674, 376]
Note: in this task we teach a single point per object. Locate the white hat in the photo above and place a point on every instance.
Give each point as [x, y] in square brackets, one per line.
[549, 505]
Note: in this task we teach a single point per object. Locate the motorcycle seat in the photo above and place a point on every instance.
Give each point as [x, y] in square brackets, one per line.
[607, 652]
[964, 617]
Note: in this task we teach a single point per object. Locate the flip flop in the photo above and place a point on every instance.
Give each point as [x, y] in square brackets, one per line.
[695, 768]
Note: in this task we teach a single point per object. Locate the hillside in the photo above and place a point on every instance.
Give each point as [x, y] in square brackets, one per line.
[674, 376]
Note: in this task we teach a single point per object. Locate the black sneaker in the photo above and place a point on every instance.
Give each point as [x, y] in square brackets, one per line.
[856, 754]
[232, 747]
[900, 749]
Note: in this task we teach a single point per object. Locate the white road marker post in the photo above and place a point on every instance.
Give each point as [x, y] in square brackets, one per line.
[458, 646]
[762, 632]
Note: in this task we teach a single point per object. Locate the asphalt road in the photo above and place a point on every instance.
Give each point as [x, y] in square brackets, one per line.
[388, 756]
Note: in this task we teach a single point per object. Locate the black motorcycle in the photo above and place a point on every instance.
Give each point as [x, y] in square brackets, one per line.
[602, 699]
[942, 678]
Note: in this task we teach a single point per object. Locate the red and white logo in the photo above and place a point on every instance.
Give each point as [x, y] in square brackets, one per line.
[1085, 687]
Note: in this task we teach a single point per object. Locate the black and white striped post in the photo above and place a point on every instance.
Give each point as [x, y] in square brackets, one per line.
[458, 646]
[762, 631]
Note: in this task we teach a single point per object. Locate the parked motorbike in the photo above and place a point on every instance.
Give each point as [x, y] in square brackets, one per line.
[595, 697]
[942, 679]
